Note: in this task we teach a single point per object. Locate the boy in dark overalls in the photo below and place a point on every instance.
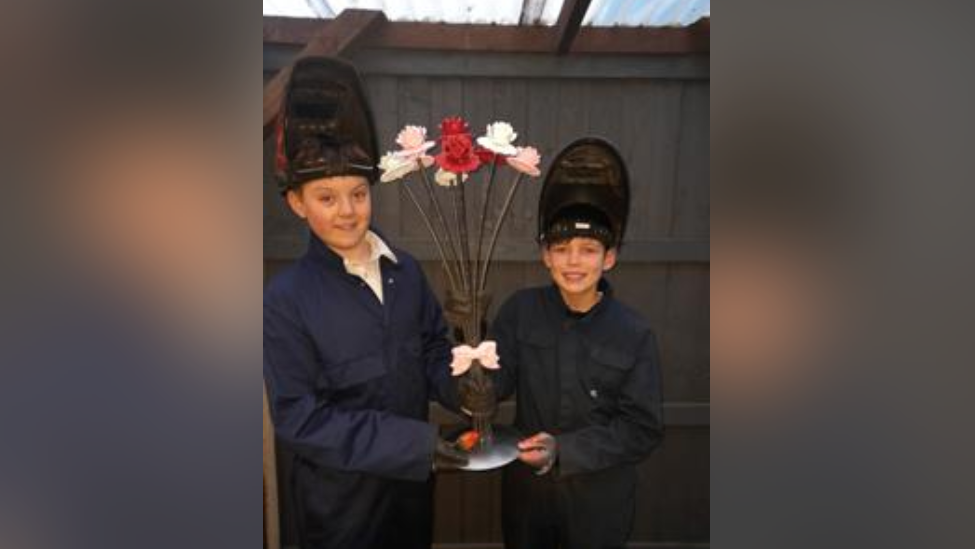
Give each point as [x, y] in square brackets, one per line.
[354, 340]
[584, 366]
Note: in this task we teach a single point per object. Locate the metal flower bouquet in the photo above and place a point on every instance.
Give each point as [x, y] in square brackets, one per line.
[466, 249]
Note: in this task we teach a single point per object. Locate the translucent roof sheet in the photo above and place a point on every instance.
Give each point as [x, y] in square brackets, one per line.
[646, 13]
[601, 13]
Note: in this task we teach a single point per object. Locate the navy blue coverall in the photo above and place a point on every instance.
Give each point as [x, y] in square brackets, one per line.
[593, 381]
[349, 380]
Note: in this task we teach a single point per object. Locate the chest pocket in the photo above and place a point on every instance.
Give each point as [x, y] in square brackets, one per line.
[536, 362]
[607, 368]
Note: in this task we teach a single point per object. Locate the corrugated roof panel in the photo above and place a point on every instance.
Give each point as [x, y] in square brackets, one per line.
[646, 13]
[550, 13]
[498, 12]
[602, 13]
[287, 8]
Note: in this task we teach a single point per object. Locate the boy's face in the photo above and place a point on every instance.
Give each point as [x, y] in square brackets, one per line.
[576, 265]
[338, 210]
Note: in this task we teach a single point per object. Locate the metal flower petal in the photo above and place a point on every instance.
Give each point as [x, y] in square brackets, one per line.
[445, 178]
[395, 167]
[498, 138]
[526, 160]
[413, 142]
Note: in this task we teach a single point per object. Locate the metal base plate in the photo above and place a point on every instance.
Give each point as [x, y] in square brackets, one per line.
[502, 450]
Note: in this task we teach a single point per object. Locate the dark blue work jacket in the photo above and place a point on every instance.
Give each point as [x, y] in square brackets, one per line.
[349, 380]
[593, 381]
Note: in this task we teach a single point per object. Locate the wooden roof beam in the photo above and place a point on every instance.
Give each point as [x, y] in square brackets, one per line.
[335, 38]
[569, 23]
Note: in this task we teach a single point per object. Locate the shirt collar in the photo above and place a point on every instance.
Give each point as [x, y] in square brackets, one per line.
[380, 248]
[377, 249]
[319, 252]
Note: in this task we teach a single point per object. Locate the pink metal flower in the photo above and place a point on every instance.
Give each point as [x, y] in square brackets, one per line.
[526, 160]
[413, 142]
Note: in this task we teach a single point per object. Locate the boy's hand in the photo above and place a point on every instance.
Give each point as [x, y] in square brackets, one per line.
[539, 451]
[447, 457]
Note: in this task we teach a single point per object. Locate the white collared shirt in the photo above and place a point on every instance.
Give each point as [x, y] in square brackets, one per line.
[369, 270]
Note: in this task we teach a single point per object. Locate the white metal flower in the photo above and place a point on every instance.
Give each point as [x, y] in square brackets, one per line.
[394, 167]
[446, 178]
[499, 138]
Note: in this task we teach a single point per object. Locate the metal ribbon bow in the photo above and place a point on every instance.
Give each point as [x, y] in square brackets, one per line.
[464, 355]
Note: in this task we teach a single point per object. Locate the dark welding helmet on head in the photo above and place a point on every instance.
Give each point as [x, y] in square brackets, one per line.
[325, 128]
[586, 193]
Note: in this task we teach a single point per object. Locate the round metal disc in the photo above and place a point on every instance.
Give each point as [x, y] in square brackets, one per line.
[500, 451]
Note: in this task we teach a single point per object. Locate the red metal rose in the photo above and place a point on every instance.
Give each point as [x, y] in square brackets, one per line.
[457, 154]
[454, 125]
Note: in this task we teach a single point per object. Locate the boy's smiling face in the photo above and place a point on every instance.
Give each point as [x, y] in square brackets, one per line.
[338, 209]
[576, 265]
